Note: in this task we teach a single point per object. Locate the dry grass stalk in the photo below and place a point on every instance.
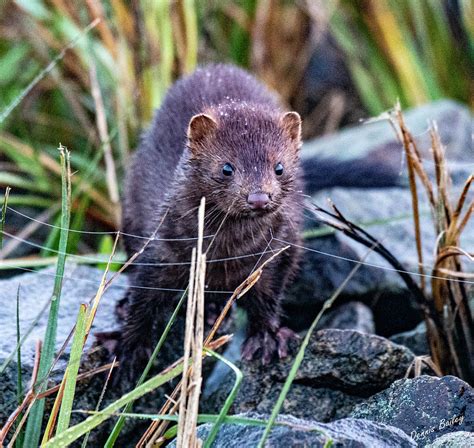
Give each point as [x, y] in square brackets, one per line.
[451, 333]
[413, 165]
[154, 434]
[281, 45]
[193, 343]
[82, 376]
[101, 121]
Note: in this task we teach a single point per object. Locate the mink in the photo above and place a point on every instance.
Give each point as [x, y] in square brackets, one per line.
[222, 135]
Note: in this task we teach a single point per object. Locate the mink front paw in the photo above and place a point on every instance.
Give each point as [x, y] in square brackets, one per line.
[267, 344]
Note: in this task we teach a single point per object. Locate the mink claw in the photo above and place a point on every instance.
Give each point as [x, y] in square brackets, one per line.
[268, 344]
[284, 336]
[250, 347]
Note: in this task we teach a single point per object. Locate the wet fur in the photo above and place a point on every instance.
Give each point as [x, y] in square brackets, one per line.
[175, 165]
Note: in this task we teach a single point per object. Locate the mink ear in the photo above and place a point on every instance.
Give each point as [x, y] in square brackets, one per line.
[201, 126]
[291, 123]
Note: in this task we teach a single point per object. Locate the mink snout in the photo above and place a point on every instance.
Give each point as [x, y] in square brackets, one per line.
[258, 200]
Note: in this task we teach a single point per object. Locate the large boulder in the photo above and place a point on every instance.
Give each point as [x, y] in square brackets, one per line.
[425, 407]
[365, 141]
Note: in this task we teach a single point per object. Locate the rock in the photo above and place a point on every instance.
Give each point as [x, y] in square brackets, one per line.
[378, 138]
[414, 339]
[295, 432]
[353, 362]
[260, 394]
[424, 407]
[79, 286]
[349, 316]
[458, 439]
[339, 368]
[384, 212]
[321, 274]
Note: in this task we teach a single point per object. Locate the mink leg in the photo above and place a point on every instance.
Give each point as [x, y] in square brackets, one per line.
[137, 337]
[265, 337]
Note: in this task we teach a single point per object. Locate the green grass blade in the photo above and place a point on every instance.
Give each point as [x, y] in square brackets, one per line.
[73, 433]
[30, 201]
[34, 424]
[7, 111]
[4, 215]
[19, 379]
[228, 402]
[300, 356]
[17, 181]
[121, 421]
[72, 369]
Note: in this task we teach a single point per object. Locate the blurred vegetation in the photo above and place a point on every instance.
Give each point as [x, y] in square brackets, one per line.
[104, 87]
[413, 50]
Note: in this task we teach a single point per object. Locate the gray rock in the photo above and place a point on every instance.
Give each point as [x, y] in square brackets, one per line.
[354, 362]
[384, 213]
[358, 142]
[339, 368]
[79, 286]
[349, 316]
[324, 267]
[414, 339]
[458, 439]
[293, 432]
[258, 393]
[424, 407]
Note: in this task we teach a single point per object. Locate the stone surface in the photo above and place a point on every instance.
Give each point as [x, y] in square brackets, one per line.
[356, 142]
[260, 394]
[339, 368]
[424, 407]
[458, 439]
[384, 212]
[79, 286]
[349, 316]
[414, 339]
[352, 361]
[347, 433]
[386, 215]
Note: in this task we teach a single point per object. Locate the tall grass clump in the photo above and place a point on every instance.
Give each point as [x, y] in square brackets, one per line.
[414, 51]
[88, 74]
[451, 328]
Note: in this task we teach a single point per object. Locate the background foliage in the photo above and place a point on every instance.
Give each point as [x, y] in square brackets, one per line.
[334, 61]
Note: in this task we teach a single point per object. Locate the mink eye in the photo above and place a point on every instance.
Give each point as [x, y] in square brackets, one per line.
[227, 169]
[278, 169]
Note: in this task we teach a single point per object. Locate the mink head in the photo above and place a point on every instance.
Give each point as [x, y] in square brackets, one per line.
[244, 158]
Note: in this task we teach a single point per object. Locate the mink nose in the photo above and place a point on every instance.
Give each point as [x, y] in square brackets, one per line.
[258, 201]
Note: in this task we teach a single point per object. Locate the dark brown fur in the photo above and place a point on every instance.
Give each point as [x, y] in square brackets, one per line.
[179, 160]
